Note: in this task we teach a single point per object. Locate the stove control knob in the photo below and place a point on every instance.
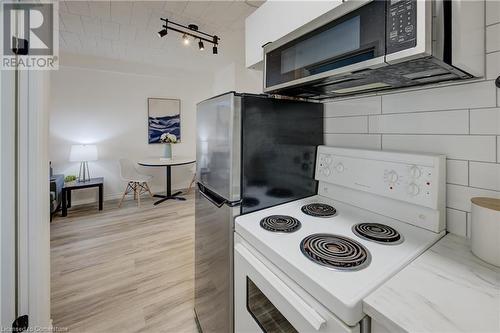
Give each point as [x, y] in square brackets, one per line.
[328, 160]
[340, 167]
[413, 189]
[415, 171]
[392, 177]
[326, 172]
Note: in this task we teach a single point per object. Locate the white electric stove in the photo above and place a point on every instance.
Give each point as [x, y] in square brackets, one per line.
[306, 266]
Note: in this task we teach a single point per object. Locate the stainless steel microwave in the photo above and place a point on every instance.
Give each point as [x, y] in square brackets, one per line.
[371, 45]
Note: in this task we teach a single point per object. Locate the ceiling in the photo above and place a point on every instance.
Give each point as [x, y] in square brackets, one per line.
[127, 30]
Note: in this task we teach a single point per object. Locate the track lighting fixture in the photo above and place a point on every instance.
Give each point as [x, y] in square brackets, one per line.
[162, 33]
[188, 31]
[215, 41]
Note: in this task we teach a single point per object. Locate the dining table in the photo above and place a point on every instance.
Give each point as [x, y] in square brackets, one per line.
[167, 163]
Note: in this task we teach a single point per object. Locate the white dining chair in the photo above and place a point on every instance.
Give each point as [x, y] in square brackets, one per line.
[136, 182]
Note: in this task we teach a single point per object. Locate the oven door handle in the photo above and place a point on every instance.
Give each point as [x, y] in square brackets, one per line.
[307, 312]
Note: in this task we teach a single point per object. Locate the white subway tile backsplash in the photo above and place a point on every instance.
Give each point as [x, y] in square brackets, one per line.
[443, 122]
[353, 107]
[492, 65]
[471, 95]
[346, 125]
[457, 172]
[456, 222]
[458, 197]
[462, 147]
[493, 38]
[492, 11]
[485, 121]
[369, 141]
[485, 175]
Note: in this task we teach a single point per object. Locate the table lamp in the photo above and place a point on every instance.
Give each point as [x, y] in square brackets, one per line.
[83, 154]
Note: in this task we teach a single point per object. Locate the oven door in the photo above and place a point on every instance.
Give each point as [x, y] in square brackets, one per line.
[266, 300]
[350, 37]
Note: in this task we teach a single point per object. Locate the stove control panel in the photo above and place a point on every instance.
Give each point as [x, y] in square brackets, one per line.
[413, 178]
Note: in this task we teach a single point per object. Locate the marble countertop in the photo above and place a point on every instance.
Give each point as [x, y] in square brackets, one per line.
[446, 289]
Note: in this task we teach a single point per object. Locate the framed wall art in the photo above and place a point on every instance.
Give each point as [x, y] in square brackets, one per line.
[164, 117]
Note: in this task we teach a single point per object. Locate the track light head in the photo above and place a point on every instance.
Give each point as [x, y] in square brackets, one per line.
[200, 45]
[185, 39]
[214, 49]
[162, 33]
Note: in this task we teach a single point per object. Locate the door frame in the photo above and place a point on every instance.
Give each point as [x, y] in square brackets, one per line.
[36, 192]
[27, 94]
[7, 207]
[24, 196]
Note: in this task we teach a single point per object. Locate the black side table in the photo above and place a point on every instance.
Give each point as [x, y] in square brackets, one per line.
[68, 187]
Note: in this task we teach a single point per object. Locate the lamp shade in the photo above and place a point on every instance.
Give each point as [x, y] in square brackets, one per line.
[83, 153]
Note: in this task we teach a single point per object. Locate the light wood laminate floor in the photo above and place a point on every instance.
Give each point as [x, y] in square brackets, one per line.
[124, 269]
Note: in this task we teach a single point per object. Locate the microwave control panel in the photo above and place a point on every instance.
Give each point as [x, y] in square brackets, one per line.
[401, 25]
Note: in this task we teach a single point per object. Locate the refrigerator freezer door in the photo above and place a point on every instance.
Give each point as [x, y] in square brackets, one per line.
[213, 262]
[218, 145]
[279, 140]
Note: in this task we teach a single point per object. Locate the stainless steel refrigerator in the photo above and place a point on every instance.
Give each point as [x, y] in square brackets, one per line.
[253, 152]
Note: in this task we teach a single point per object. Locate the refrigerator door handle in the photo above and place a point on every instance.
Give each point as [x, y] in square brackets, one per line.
[215, 199]
[217, 202]
[234, 203]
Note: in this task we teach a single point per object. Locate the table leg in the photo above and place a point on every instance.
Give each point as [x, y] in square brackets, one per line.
[100, 196]
[168, 186]
[68, 195]
[169, 180]
[64, 203]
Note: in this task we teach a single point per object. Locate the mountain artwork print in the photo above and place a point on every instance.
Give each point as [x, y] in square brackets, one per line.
[163, 118]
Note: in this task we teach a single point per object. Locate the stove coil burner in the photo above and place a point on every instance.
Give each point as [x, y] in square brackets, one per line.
[335, 252]
[280, 223]
[319, 210]
[379, 233]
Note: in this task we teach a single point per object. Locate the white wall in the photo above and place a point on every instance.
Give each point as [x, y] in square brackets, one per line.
[461, 121]
[235, 76]
[90, 104]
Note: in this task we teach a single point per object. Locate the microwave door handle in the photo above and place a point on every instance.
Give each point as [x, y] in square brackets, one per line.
[218, 204]
[307, 312]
